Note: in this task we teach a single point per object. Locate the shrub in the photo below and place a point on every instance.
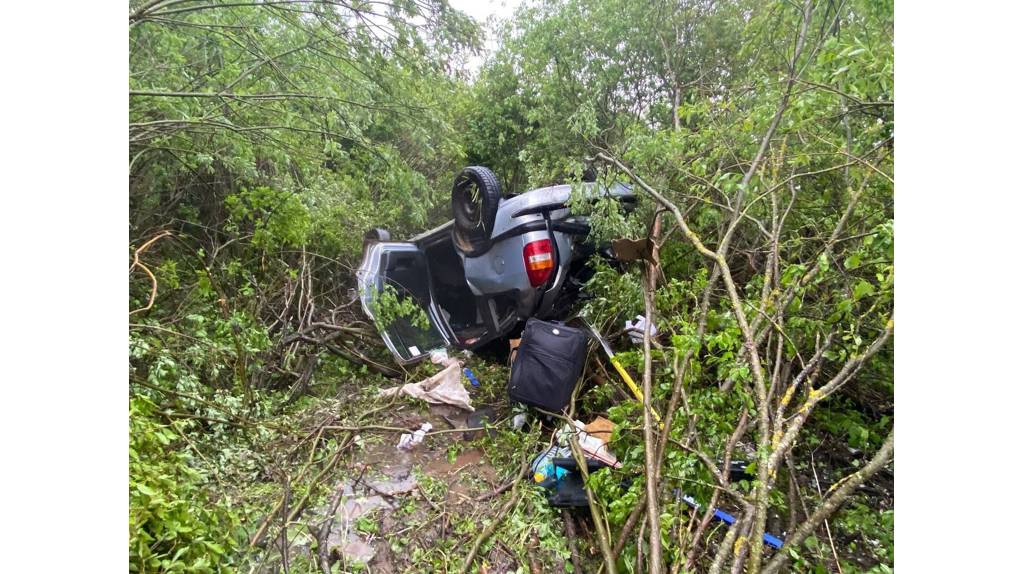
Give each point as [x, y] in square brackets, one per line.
[173, 525]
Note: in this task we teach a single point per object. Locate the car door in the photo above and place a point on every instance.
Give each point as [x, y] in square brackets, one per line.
[404, 268]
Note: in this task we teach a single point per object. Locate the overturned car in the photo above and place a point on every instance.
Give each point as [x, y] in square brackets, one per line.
[498, 262]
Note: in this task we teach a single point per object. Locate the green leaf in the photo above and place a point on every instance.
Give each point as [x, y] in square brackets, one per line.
[862, 289]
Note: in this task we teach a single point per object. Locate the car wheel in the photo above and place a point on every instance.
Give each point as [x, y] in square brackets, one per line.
[376, 235]
[475, 197]
[469, 246]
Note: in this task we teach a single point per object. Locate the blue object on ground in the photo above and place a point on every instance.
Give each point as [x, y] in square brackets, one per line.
[729, 519]
[545, 473]
[472, 378]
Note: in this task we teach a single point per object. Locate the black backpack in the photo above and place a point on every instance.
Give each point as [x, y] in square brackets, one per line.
[548, 365]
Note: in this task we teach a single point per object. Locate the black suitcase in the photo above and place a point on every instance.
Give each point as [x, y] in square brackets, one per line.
[548, 365]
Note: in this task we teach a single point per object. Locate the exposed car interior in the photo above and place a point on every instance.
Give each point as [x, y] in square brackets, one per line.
[451, 292]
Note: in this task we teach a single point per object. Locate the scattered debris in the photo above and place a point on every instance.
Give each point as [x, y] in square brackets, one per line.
[343, 540]
[557, 470]
[513, 349]
[452, 415]
[593, 446]
[738, 471]
[620, 369]
[393, 486]
[633, 250]
[635, 331]
[547, 364]
[478, 419]
[358, 551]
[568, 490]
[730, 519]
[444, 387]
[472, 378]
[601, 428]
[519, 421]
[407, 441]
[545, 473]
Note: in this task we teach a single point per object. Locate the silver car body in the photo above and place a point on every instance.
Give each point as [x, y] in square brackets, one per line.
[520, 220]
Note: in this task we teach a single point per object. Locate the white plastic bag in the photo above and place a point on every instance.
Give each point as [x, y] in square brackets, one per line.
[636, 330]
[407, 441]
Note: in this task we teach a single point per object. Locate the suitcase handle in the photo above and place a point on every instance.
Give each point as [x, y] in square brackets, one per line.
[570, 464]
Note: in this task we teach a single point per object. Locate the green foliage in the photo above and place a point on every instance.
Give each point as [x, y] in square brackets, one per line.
[617, 296]
[389, 306]
[536, 517]
[267, 138]
[683, 94]
[355, 123]
[871, 531]
[173, 526]
[606, 216]
[860, 431]
[870, 539]
[572, 75]
[274, 219]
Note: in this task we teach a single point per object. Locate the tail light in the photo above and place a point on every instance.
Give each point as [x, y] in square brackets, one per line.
[539, 260]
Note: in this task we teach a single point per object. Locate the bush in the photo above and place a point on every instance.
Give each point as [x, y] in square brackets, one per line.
[172, 524]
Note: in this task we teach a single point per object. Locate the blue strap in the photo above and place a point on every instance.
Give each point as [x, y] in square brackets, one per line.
[729, 519]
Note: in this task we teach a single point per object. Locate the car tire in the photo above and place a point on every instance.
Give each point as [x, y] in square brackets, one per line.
[376, 235]
[470, 246]
[475, 197]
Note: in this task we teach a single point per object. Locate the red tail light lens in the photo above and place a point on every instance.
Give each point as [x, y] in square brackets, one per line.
[539, 260]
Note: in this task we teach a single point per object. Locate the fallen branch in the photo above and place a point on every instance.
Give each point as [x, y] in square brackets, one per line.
[631, 521]
[355, 357]
[320, 534]
[651, 462]
[152, 278]
[301, 505]
[828, 530]
[595, 511]
[727, 545]
[709, 512]
[570, 536]
[489, 530]
[522, 474]
[398, 429]
[600, 524]
[832, 502]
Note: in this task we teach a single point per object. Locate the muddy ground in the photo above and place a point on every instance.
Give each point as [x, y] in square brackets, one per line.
[386, 510]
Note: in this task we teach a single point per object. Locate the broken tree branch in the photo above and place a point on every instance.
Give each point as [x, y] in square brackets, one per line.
[152, 278]
[650, 447]
[833, 501]
[489, 530]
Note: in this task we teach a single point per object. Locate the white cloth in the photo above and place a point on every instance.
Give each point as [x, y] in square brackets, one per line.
[444, 387]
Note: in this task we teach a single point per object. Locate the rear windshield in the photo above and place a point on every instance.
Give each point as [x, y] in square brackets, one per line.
[410, 341]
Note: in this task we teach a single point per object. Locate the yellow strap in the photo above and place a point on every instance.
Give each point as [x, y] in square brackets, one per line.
[632, 386]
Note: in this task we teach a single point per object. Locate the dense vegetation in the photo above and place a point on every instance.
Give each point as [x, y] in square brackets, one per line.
[265, 137]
